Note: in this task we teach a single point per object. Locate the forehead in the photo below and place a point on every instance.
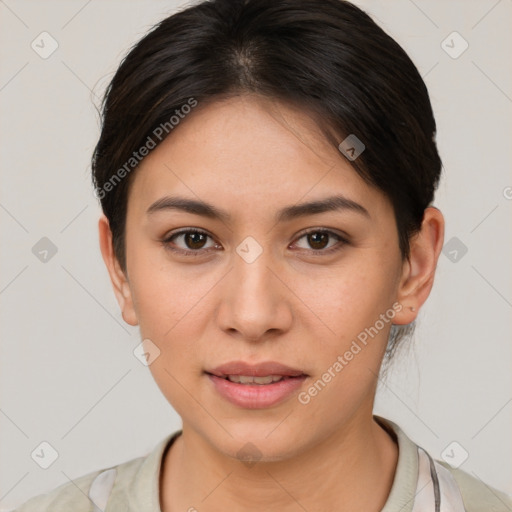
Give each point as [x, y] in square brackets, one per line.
[252, 152]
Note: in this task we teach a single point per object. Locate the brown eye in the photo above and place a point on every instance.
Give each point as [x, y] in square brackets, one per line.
[322, 241]
[188, 241]
[318, 240]
[194, 240]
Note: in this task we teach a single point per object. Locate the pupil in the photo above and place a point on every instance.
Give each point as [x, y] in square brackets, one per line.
[318, 238]
[192, 239]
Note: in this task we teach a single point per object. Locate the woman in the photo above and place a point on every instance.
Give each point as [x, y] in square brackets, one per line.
[267, 172]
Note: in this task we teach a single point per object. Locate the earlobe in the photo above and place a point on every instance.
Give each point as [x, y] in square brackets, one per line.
[418, 271]
[120, 283]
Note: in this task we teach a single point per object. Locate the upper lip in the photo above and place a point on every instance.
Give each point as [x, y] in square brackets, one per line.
[255, 370]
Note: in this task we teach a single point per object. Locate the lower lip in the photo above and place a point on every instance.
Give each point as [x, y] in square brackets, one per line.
[256, 396]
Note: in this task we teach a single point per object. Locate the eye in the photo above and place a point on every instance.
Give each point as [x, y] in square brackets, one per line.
[193, 242]
[319, 240]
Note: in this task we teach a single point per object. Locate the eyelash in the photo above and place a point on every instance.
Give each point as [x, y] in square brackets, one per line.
[199, 252]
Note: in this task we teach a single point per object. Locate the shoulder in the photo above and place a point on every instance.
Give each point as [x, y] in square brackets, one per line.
[132, 485]
[69, 496]
[476, 494]
[83, 494]
[421, 481]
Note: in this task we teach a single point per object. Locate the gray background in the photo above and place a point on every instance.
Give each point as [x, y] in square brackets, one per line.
[68, 374]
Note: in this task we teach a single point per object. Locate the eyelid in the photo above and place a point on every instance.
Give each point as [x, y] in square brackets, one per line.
[319, 229]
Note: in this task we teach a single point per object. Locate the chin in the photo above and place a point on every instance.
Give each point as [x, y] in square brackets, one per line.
[259, 443]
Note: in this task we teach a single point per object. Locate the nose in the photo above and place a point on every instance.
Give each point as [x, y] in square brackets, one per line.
[255, 303]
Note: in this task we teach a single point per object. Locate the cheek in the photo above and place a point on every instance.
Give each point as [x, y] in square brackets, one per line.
[347, 358]
[163, 294]
[168, 305]
[347, 298]
[174, 303]
[174, 310]
[353, 309]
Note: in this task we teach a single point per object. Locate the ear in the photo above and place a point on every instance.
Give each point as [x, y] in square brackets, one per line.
[419, 270]
[118, 278]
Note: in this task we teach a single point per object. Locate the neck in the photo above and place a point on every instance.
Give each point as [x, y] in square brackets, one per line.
[335, 474]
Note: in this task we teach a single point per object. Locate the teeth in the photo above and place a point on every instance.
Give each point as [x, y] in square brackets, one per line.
[249, 379]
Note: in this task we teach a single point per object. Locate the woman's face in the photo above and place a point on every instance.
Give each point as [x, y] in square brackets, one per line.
[253, 287]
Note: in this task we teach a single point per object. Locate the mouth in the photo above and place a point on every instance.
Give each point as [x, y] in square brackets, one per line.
[255, 386]
[266, 369]
[260, 381]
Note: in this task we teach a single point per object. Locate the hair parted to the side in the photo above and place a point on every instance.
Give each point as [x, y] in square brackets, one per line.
[327, 57]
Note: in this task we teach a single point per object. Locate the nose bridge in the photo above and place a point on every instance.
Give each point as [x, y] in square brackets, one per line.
[252, 273]
[253, 302]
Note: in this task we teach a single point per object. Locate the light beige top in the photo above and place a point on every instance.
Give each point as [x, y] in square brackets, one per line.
[420, 485]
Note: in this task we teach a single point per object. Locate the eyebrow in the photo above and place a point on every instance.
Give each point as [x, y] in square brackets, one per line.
[329, 204]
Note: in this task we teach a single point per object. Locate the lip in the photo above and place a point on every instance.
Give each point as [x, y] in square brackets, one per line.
[255, 370]
[256, 396]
